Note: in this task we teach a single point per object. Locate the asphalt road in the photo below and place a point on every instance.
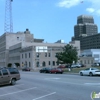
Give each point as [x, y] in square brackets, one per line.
[39, 86]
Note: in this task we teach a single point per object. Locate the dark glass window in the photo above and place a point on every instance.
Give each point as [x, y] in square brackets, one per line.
[5, 72]
[29, 55]
[49, 62]
[45, 54]
[13, 71]
[25, 55]
[22, 55]
[49, 54]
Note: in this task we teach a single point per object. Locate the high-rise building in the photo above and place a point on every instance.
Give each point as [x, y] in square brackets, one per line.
[87, 32]
[85, 27]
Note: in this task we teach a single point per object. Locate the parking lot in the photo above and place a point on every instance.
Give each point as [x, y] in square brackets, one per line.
[39, 86]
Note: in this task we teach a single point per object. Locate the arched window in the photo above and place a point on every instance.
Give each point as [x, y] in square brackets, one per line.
[43, 64]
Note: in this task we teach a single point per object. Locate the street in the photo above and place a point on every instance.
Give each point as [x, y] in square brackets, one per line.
[40, 86]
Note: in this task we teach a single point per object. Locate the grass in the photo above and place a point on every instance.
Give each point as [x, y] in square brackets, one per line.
[76, 70]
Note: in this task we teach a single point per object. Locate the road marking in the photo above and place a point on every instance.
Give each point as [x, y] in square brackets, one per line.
[65, 82]
[11, 86]
[52, 78]
[92, 83]
[18, 91]
[44, 96]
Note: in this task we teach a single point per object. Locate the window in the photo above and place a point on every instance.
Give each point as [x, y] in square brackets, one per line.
[29, 64]
[29, 55]
[5, 72]
[53, 63]
[25, 55]
[49, 62]
[45, 54]
[22, 55]
[37, 54]
[49, 54]
[17, 38]
[13, 71]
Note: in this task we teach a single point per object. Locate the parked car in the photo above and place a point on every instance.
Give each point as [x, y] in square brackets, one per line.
[56, 70]
[90, 71]
[61, 66]
[75, 66]
[45, 70]
[26, 69]
[9, 76]
[82, 65]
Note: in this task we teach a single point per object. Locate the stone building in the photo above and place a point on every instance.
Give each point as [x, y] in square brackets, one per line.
[22, 49]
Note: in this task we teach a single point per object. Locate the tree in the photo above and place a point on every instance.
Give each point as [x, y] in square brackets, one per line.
[68, 55]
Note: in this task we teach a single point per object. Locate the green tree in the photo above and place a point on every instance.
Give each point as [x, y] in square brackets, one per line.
[68, 55]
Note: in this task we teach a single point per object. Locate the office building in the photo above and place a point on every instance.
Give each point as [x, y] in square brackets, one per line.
[22, 49]
[87, 32]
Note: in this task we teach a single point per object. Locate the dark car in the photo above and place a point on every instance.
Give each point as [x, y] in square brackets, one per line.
[56, 70]
[26, 69]
[45, 70]
[9, 76]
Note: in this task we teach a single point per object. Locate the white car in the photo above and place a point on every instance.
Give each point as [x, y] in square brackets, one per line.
[90, 71]
[76, 66]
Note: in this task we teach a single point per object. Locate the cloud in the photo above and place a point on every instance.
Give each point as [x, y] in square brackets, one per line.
[90, 10]
[68, 3]
[94, 7]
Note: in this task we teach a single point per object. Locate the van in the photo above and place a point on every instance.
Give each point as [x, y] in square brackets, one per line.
[9, 76]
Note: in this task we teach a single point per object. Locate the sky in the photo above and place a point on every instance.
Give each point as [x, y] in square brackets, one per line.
[50, 20]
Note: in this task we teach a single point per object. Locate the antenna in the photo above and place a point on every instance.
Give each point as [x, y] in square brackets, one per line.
[8, 25]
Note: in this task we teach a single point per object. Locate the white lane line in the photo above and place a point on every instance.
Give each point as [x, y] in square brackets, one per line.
[65, 82]
[44, 96]
[92, 83]
[18, 91]
[52, 78]
[10, 86]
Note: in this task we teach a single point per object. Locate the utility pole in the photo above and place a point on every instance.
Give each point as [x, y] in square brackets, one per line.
[8, 25]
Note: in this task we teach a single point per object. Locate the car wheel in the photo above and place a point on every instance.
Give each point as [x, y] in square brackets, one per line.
[91, 74]
[13, 82]
[81, 74]
[61, 72]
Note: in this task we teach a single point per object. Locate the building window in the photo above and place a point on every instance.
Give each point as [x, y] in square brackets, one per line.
[49, 54]
[49, 62]
[37, 64]
[43, 63]
[91, 61]
[22, 64]
[29, 55]
[88, 62]
[17, 38]
[29, 64]
[22, 55]
[84, 61]
[37, 54]
[45, 54]
[25, 63]
[25, 55]
[53, 63]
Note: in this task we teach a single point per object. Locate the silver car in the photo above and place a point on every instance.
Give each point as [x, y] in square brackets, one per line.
[90, 71]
